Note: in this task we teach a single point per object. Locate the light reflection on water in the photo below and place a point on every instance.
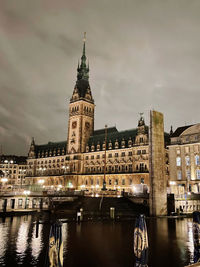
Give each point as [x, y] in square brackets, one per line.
[22, 239]
[3, 242]
[36, 243]
[96, 243]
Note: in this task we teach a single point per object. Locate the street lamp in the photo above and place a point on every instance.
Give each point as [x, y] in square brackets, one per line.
[26, 193]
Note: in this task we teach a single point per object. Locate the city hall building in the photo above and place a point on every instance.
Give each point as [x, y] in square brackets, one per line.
[89, 157]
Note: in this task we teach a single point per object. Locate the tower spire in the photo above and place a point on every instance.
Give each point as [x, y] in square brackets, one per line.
[83, 70]
[82, 86]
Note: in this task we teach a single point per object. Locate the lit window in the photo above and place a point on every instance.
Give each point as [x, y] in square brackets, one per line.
[197, 159]
[178, 161]
[187, 160]
[188, 174]
[198, 174]
[179, 175]
[123, 181]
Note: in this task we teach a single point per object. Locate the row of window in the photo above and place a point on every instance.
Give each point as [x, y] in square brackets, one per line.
[187, 149]
[140, 168]
[116, 155]
[115, 182]
[187, 160]
[12, 166]
[188, 174]
[53, 161]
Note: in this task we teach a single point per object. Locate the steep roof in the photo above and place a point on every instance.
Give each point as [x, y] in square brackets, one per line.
[180, 130]
[51, 146]
[112, 135]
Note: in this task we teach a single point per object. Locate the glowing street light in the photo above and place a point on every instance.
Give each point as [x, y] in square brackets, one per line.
[82, 186]
[4, 180]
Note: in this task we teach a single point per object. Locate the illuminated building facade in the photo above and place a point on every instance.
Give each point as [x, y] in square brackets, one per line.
[79, 161]
[184, 161]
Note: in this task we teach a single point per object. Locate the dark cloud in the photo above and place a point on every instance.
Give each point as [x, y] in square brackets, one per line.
[143, 55]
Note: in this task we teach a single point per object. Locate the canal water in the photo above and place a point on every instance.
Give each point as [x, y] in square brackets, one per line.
[96, 244]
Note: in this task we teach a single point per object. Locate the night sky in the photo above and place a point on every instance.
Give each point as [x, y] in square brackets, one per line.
[143, 55]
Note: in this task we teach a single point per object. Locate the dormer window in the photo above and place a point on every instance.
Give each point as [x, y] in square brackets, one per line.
[98, 146]
[123, 143]
[130, 142]
[104, 146]
[92, 147]
[110, 145]
[116, 144]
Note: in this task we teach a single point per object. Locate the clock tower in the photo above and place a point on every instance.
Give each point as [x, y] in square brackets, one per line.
[81, 110]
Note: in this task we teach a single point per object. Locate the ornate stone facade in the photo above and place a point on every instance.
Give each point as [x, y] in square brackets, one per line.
[184, 162]
[79, 162]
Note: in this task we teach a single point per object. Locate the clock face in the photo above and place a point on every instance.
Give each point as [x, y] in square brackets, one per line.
[74, 124]
[87, 125]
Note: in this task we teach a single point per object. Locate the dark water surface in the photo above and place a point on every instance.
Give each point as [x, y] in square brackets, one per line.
[97, 244]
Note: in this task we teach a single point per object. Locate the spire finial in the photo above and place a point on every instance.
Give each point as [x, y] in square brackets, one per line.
[84, 37]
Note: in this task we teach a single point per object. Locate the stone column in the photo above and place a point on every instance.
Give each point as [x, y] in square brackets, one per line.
[158, 193]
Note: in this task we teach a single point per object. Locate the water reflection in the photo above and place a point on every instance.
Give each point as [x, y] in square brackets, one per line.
[96, 243]
[4, 239]
[65, 237]
[36, 243]
[22, 239]
[184, 237]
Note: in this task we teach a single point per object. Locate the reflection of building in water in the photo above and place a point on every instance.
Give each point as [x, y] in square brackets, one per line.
[65, 232]
[3, 241]
[22, 239]
[184, 236]
[36, 243]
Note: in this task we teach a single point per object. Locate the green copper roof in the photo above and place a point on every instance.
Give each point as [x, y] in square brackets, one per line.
[51, 147]
[112, 135]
